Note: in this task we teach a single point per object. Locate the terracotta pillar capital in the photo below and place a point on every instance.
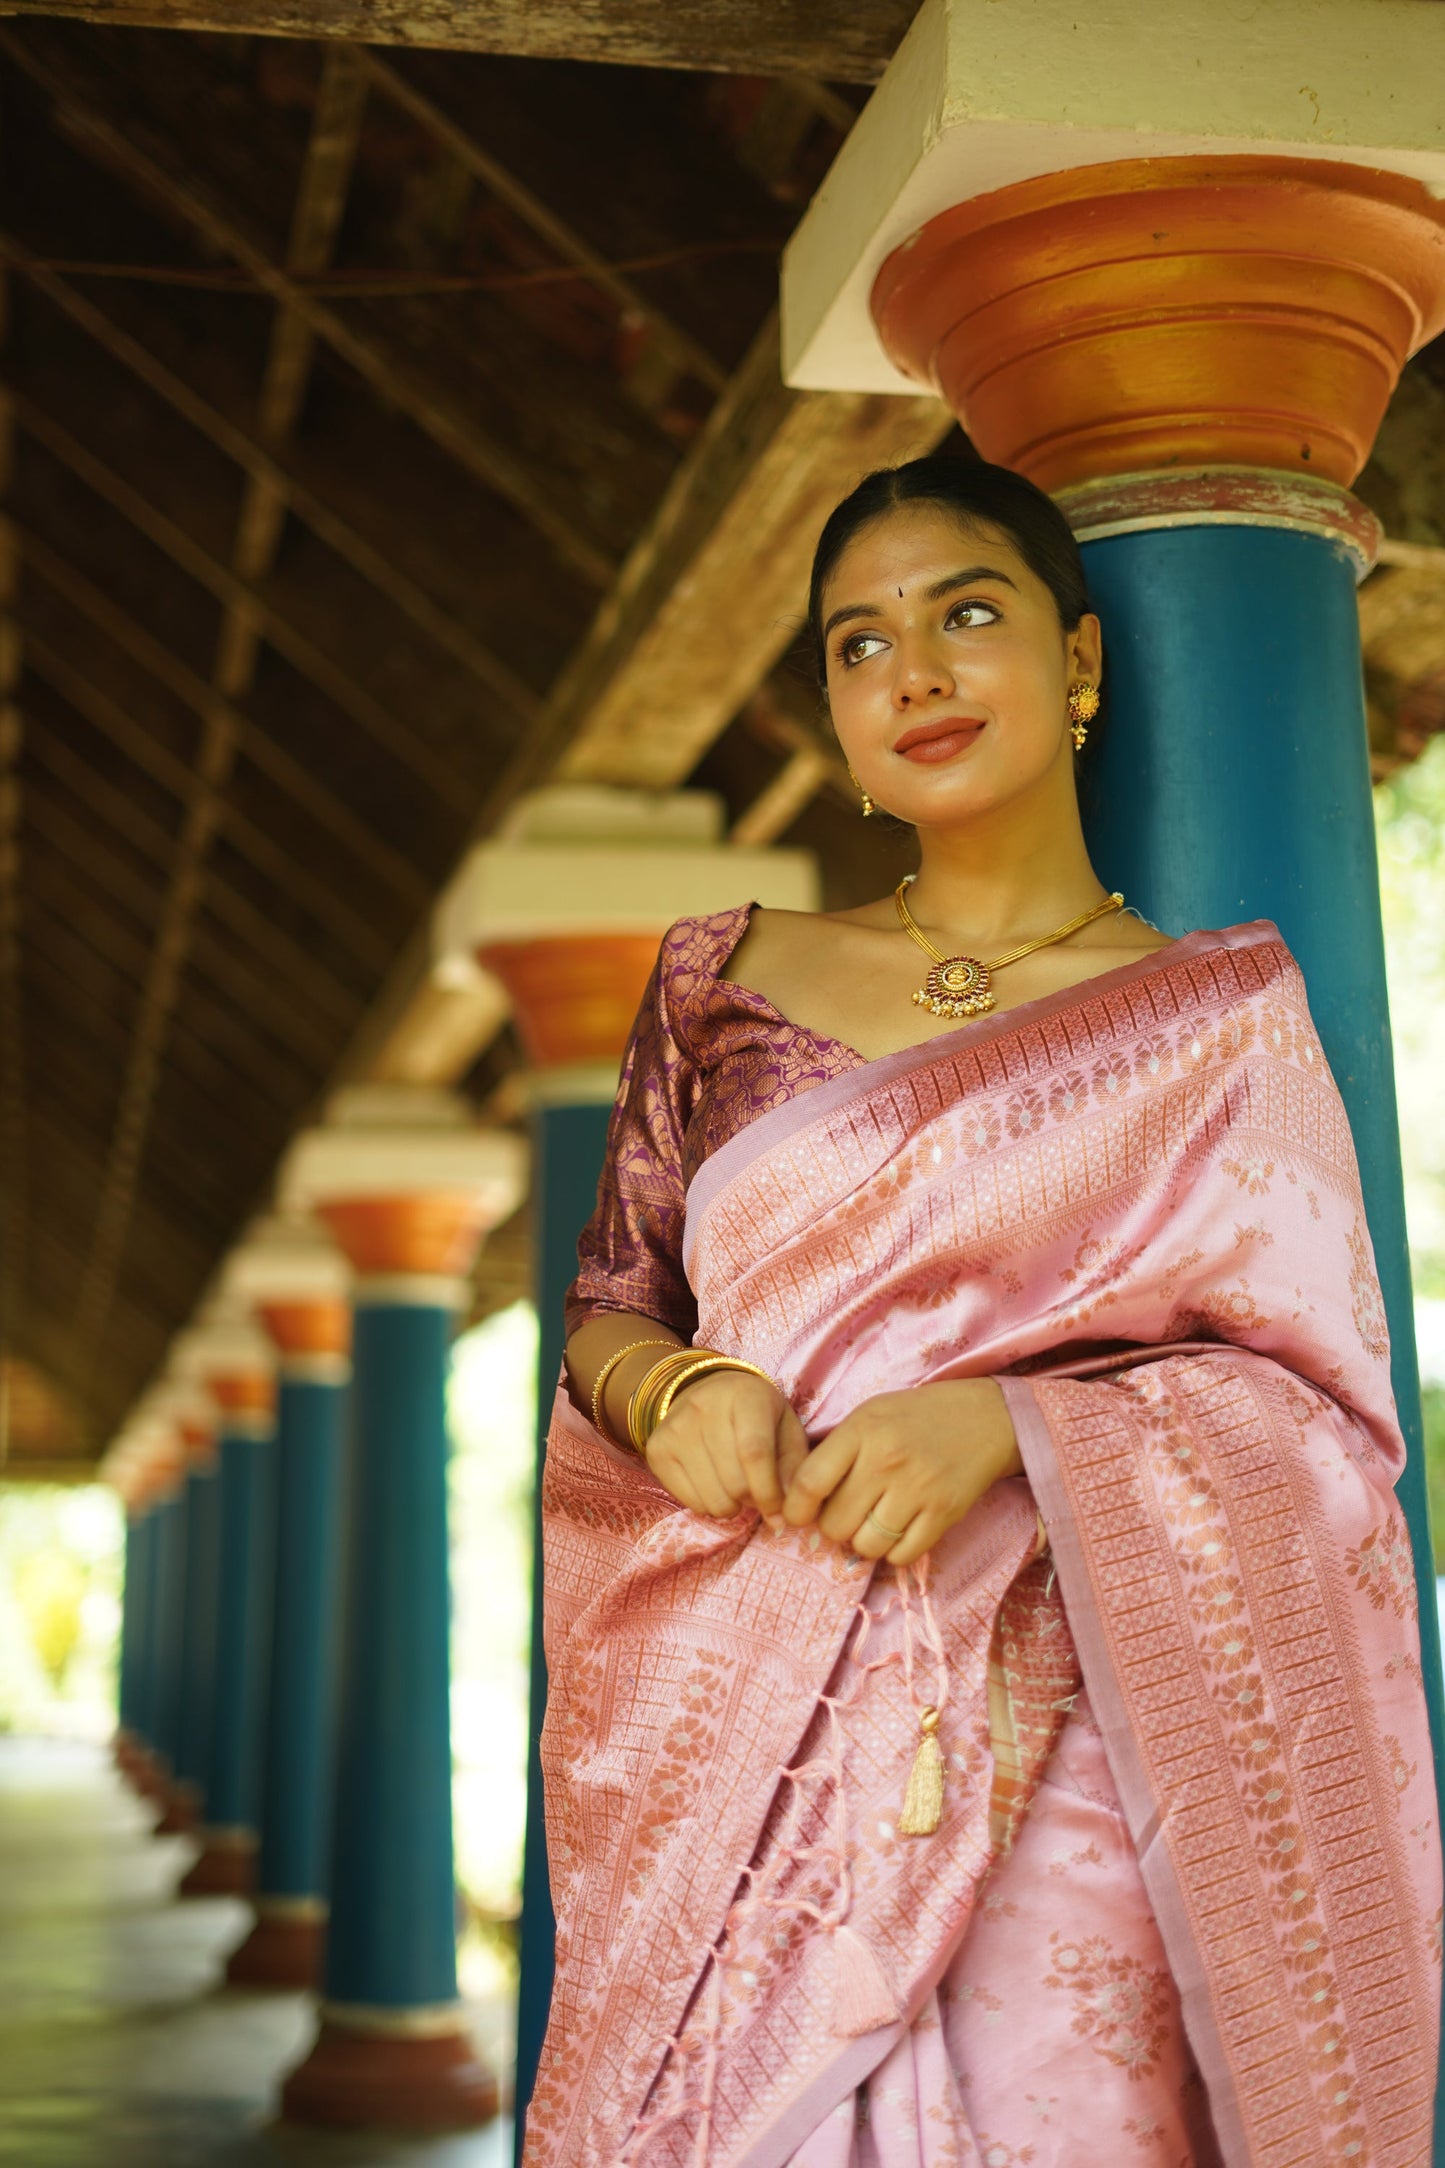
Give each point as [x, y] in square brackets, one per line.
[1108, 268]
[407, 1186]
[297, 1284]
[567, 907]
[1164, 312]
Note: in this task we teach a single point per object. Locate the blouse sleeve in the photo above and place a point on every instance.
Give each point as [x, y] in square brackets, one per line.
[630, 1252]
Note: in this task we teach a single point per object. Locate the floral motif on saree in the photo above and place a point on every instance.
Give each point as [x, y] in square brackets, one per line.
[1136, 1204]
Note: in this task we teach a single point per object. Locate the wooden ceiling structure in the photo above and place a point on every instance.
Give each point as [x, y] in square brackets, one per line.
[390, 421]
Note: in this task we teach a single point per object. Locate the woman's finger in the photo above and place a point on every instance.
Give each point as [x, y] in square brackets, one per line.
[846, 1513]
[819, 1476]
[922, 1532]
[755, 1449]
[686, 1468]
[792, 1450]
[884, 1523]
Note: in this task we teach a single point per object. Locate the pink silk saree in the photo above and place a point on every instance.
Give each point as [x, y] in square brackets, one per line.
[1180, 1658]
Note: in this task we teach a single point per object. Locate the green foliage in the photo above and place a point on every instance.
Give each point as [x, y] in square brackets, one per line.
[1410, 828]
[1433, 1402]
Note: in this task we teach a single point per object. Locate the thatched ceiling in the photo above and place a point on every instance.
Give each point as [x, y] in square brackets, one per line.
[340, 388]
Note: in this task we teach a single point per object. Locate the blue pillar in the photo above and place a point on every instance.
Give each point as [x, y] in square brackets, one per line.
[394, 2046]
[198, 1661]
[200, 1657]
[568, 1142]
[246, 1449]
[1233, 783]
[283, 1948]
[168, 1628]
[133, 1738]
[128, 1649]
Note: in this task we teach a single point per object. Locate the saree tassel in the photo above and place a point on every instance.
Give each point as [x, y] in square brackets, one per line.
[862, 1997]
[923, 1800]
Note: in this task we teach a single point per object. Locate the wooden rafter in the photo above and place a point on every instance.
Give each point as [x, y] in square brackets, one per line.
[188, 1158]
[95, 990]
[116, 814]
[13, 1188]
[321, 198]
[375, 858]
[298, 1022]
[288, 874]
[247, 613]
[684, 350]
[271, 467]
[150, 169]
[842, 41]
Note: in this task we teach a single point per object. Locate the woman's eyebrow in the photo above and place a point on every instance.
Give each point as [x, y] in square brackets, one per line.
[966, 578]
[935, 593]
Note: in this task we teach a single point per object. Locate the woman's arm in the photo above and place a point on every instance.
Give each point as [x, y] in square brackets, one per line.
[589, 1348]
[729, 1440]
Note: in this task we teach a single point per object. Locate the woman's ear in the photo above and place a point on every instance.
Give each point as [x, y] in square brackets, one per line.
[1085, 649]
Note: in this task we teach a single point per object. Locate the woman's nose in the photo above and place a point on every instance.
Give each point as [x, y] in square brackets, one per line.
[920, 674]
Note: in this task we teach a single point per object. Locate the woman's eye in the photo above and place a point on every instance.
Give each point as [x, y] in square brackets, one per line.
[979, 612]
[858, 646]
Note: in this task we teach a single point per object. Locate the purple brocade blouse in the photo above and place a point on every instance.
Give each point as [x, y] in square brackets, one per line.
[706, 1057]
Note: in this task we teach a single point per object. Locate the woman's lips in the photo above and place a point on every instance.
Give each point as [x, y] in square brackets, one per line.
[943, 744]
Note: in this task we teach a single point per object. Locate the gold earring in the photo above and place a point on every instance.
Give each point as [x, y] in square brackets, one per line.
[868, 805]
[1083, 707]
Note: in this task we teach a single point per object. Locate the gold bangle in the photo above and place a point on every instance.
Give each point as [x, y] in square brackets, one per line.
[652, 1399]
[598, 1412]
[641, 1419]
[708, 1362]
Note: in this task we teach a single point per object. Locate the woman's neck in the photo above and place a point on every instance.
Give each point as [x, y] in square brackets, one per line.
[1006, 877]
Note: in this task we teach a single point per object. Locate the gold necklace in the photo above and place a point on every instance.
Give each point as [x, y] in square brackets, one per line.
[963, 985]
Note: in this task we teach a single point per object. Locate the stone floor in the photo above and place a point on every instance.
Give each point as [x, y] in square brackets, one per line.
[118, 2047]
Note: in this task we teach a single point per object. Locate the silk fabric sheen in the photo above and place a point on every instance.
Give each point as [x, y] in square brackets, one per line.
[1136, 1204]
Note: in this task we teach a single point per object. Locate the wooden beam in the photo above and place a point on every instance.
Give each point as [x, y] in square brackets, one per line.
[247, 610]
[270, 466]
[713, 592]
[775, 809]
[131, 149]
[685, 351]
[1413, 556]
[842, 41]
[685, 637]
[69, 1469]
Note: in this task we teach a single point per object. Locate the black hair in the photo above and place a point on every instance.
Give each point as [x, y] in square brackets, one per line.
[975, 493]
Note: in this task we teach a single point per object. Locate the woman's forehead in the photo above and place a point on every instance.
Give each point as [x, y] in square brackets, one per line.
[921, 540]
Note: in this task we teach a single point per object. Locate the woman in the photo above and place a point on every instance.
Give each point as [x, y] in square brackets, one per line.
[986, 1722]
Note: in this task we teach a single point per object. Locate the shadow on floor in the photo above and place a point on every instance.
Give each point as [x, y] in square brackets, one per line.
[118, 2049]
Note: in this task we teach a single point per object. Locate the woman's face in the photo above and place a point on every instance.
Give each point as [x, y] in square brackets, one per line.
[948, 671]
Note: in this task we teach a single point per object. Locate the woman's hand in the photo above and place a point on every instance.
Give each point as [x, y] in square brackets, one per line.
[903, 1469]
[729, 1440]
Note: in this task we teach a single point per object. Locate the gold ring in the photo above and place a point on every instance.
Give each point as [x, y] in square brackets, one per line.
[894, 1535]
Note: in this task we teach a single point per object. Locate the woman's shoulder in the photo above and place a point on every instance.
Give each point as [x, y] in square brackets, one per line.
[704, 941]
[1247, 964]
[691, 957]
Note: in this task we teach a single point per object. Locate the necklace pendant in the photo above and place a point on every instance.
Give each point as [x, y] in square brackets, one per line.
[957, 986]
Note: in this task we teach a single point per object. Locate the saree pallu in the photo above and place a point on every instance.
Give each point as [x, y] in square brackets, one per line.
[1136, 1205]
